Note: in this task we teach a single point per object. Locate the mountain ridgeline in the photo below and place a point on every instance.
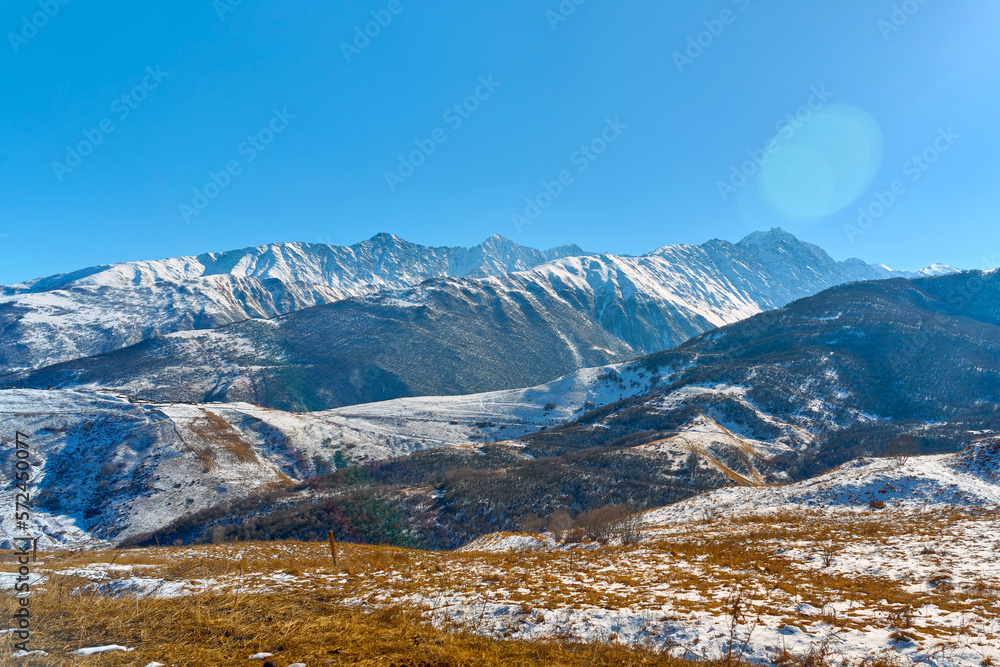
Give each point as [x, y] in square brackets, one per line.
[391, 320]
[105, 308]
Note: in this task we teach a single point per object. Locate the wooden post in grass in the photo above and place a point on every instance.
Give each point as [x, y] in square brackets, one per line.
[333, 546]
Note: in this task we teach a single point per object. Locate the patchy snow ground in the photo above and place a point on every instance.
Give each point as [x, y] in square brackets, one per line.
[808, 567]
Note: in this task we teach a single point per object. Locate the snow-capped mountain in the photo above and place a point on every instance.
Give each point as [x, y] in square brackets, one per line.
[105, 308]
[469, 334]
[780, 396]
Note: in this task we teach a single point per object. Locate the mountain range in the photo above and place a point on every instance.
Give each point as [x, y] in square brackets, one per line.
[108, 307]
[306, 327]
[860, 369]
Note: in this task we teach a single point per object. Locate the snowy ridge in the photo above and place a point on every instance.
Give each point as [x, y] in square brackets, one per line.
[382, 261]
[104, 308]
[478, 333]
[649, 303]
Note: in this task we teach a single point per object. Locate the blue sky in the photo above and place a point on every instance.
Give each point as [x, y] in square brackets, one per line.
[618, 100]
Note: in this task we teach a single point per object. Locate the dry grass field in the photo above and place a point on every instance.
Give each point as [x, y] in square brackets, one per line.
[816, 588]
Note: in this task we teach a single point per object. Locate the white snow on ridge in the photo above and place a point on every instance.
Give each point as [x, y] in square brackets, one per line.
[109, 307]
[939, 270]
[651, 302]
[383, 261]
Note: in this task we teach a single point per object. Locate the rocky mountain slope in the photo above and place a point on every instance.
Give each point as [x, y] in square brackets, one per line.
[104, 308]
[462, 335]
[838, 375]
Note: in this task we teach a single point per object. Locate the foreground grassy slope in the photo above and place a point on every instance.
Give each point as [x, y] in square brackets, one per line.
[889, 586]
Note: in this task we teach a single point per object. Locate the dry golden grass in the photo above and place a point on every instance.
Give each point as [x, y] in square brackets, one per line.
[314, 607]
[212, 629]
[216, 432]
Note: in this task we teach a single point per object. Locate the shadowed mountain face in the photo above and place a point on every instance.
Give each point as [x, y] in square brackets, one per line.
[354, 352]
[855, 366]
[925, 349]
[443, 336]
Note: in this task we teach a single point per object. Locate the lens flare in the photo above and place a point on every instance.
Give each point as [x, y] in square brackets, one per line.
[821, 164]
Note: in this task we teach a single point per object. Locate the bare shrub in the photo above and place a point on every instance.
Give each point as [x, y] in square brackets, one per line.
[734, 651]
[630, 529]
[901, 618]
[902, 448]
[531, 524]
[559, 522]
[609, 522]
[828, 554]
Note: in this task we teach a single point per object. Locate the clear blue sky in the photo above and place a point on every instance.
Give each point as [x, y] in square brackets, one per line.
[323, 174]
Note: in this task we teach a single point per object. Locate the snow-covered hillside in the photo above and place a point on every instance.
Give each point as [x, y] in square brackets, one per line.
[108, 467]
[104, 308]
[921, 483]
[890, 557]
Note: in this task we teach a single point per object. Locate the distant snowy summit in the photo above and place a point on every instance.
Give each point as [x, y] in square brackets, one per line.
[585, 303]
[939, 270]
[384, 260]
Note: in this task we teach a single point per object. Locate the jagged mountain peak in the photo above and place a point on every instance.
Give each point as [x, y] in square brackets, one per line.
[644, 303]
[770, 237]
[387, 237]
[313, 263]
[497, 238]
[777, 240]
